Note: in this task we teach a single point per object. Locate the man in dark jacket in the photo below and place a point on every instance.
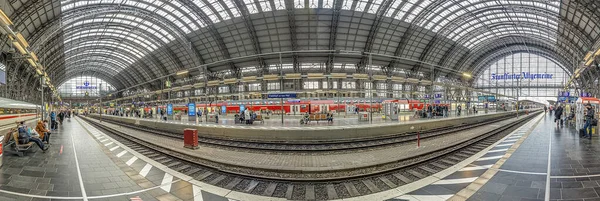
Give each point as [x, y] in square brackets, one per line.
[589, 117]
[558, 114]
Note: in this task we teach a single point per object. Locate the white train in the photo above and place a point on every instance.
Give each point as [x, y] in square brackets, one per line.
[12, 111]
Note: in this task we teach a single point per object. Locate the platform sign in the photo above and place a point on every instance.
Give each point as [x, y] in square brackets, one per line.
[572, 99]
[242, 107]
[491, 98]
[223, 109]
[169, 109]
[191, 109]
[282, 95]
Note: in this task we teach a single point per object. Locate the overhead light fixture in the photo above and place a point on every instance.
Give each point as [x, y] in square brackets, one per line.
[19, 47]
[597, 52]
[39, 72]
[45, 74]
[31, 62]
[183, 72]
[467, 75]
[33, 56]
[4, 19]
[587, 56]
[22, 40]
[589, 62]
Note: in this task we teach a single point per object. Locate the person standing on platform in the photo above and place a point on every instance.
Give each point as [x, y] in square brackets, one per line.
[589, 117]
[53, 120]
[557, 115]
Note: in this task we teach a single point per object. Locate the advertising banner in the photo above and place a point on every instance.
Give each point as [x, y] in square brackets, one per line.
[191, 109]
[169, 109]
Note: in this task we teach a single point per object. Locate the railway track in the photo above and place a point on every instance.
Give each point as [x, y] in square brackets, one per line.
[335, 185]
[323, 148]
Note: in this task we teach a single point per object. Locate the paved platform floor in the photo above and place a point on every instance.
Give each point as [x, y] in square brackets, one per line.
[86, 165]
[516, 169]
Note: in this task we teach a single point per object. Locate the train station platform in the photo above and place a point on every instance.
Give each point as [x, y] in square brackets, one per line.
[309, 163]
[297, 133]
[517, 169]
[292, 121]
[84, 164]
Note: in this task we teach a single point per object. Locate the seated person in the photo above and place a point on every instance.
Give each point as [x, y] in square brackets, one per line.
[43, 131]
[25, 136]
[329, 117]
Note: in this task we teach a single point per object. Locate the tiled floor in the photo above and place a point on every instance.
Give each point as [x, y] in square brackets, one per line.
[447, 187]
[574, 170]
[105, 173]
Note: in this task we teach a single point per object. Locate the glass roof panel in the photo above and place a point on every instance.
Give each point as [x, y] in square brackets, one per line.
[251, 6]
[476, 15]
[121, 33]
[279, 4]
[211, 15]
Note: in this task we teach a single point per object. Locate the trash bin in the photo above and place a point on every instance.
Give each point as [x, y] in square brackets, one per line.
[190, 138]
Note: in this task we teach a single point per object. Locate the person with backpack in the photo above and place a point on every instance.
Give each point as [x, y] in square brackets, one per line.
[26, 135]
[589, 118]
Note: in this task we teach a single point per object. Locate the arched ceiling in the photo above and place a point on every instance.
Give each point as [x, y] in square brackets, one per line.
[127, 42]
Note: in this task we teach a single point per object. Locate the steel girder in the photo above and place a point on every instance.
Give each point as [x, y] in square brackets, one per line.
[385, 6]
[235, 71]
[57, 53]
[335, 19]
[252, 32]
[80, 14]
[289, 5]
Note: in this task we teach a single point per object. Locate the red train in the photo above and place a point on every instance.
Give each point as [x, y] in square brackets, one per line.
[298, 106]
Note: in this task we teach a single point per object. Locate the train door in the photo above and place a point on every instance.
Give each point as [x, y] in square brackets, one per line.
[295, 109]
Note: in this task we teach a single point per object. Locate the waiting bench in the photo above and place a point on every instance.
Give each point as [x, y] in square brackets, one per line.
[317, 117]
[15, 147]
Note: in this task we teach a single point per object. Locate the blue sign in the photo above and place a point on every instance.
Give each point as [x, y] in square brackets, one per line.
[191, 109]
[242, 107]
[169, 109]
[572, 99]
[86, 85]
[585, 94]
[487, 98]
[522, 75]
[564, 93]
[294, 101]
[438, 95]
[282, 96]
[223, 109]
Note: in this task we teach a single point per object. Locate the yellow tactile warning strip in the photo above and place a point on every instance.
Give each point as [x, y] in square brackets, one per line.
[472, 188]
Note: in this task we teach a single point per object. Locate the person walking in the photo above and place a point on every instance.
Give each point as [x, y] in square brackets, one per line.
[557, 115]
[589, 117]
